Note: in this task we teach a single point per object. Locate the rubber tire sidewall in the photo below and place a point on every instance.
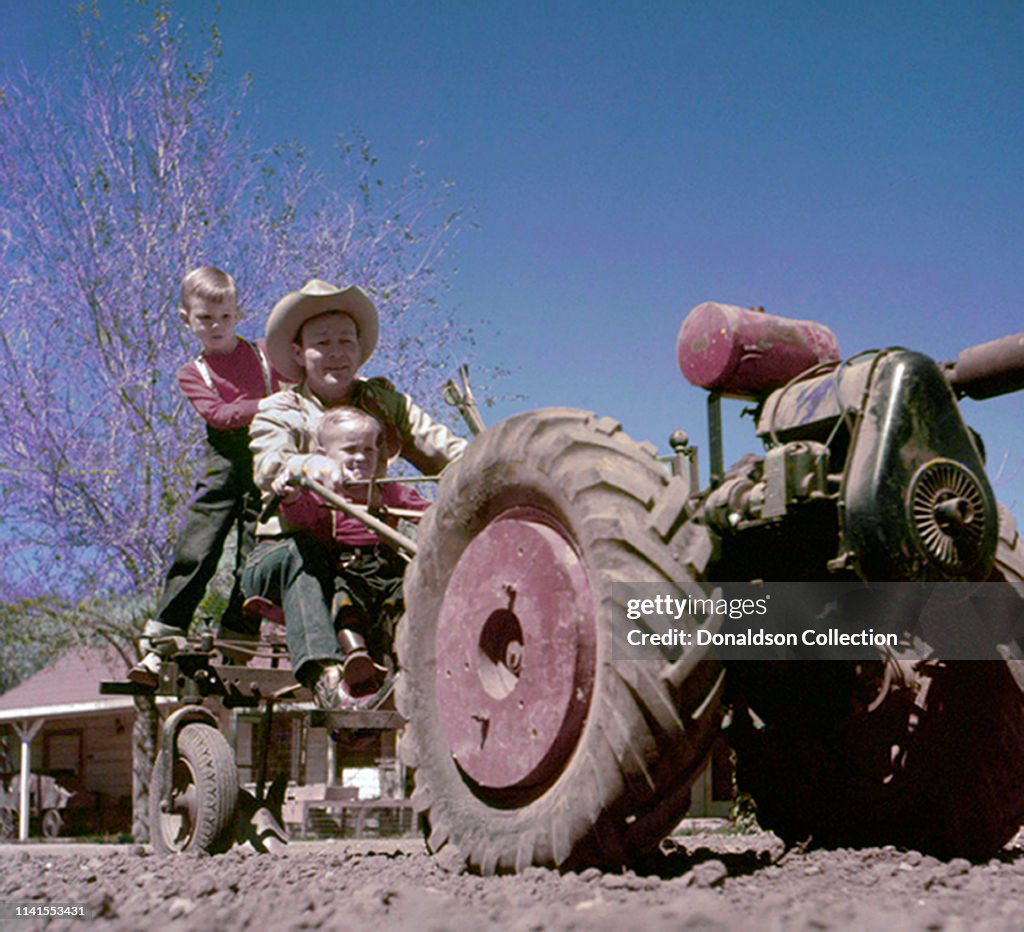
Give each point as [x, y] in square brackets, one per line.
[581, 817]
[216, 779]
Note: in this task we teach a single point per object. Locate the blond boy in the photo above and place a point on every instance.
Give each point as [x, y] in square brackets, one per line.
[224, 383]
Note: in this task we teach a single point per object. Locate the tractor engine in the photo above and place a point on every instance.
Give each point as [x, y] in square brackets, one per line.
[869, 470]
[868, 474]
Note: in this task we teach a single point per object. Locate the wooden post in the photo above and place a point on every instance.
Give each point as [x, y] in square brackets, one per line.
[331, 761]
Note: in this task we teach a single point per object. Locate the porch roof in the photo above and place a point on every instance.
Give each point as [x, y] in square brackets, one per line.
[69, 686]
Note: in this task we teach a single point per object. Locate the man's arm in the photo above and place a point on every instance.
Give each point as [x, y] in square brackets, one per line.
[428, 444]
[281, 437]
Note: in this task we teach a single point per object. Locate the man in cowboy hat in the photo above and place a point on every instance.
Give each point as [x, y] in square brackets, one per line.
[319, 337]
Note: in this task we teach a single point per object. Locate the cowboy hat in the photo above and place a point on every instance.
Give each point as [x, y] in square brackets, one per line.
[315, 298]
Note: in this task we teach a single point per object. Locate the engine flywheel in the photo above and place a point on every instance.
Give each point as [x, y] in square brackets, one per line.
[949, 515]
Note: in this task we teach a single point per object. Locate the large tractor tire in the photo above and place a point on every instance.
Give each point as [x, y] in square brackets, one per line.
[934, 763]
[539, 737]
[204, 794]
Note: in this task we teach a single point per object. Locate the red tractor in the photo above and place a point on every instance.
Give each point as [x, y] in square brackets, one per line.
[538, 739]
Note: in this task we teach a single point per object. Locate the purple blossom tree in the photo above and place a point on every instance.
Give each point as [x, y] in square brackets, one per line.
[117, 176]
[115, 179]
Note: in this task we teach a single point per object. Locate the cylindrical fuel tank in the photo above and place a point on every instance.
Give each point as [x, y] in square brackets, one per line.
[745, 353]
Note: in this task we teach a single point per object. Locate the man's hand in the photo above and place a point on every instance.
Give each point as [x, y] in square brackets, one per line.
[284, 490]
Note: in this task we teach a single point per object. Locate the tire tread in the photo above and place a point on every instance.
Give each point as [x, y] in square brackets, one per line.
[637, 745]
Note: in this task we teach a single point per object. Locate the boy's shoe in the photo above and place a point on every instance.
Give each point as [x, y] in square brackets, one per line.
[360, 672]
[147, 671]
[333, 694]
[362, 675]
[328, 690]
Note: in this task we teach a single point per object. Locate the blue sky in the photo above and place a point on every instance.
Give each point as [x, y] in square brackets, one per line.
[857, 163]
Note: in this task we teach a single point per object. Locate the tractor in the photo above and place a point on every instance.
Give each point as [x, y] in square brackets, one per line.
[538, 738]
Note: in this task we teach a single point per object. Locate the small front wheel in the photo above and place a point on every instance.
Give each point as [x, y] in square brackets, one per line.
[200, 814]
[52, 823]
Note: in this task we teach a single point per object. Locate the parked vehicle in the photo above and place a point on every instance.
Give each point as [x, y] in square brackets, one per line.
[47, 801]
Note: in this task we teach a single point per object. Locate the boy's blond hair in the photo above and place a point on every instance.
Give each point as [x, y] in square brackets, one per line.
[207, 283]
[344, 416]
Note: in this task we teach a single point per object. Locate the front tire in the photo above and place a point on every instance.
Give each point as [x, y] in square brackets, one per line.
[204, 794]
[52, 823]
[537, 735]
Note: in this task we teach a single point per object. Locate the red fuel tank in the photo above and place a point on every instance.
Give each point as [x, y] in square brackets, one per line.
[745, 353]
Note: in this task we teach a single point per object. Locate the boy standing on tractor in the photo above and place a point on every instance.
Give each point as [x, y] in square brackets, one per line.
[224, 384]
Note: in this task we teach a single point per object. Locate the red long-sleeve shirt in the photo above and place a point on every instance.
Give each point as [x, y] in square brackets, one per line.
[335, 527]
[237, 382]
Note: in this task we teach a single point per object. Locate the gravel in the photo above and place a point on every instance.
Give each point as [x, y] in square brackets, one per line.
[705, 881]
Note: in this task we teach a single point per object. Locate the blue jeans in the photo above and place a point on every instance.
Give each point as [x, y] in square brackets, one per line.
[297, 572]
[225, 499]
[368, 596]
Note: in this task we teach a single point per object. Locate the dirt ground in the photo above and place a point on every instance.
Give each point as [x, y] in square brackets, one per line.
[710, 881]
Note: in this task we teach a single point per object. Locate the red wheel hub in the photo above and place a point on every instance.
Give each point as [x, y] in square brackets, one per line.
[515, 649]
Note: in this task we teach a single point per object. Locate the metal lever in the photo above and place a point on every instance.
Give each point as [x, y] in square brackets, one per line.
[461, 397]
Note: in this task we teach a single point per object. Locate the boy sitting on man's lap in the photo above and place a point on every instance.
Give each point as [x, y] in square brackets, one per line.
[368, 586]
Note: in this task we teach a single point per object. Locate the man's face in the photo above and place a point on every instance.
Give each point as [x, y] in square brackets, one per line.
[328, 351]
[354, 447]
[213, 323]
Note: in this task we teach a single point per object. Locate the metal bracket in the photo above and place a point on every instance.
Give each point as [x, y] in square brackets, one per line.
[715, 438]
[461, 397]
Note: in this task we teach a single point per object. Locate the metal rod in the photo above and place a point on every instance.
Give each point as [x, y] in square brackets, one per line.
[715, 438]
[361, 513]
[268, 719]
[383, 480]
[461, 398]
